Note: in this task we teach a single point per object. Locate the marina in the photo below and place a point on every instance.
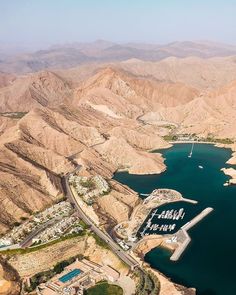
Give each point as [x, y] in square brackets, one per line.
[164, 214]
[168, 218]
[209, 237]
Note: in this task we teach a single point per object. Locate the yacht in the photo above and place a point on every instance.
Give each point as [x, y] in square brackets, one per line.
[191, 152]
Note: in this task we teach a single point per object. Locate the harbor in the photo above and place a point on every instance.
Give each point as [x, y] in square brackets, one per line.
[169, 215]
[162, 212]
[168, 218]
[208, 237]
[183, 239]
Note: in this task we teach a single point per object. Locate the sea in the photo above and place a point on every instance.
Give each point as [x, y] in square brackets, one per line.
[209, 262]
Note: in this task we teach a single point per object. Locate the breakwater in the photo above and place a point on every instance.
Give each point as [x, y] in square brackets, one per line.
[182, 236]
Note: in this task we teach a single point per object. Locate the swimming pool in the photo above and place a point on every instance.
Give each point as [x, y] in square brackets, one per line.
[70, 275]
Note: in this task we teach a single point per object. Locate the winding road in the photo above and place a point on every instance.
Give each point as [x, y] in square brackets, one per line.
[124, 256]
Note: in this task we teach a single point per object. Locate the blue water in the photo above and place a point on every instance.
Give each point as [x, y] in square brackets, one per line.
[209, 263]
[70, 275]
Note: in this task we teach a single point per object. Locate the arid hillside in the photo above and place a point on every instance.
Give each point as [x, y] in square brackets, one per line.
[76, 54]
[105, 118]
[203, 74]
[49, 141]
[39, 89]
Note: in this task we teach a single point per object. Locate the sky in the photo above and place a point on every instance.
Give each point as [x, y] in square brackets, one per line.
[46, 22]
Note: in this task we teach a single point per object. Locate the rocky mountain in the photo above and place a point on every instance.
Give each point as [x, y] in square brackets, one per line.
[27, 92]
[107, 118]
[203, 74]
[71, 55]
[6, 79]
[124, 94]
[211, 114]
[46, 143]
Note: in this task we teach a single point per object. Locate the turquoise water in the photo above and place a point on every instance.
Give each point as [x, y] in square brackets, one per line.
[209, 263]
[70, 275]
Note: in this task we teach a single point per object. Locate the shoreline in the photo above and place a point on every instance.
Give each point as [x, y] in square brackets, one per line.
[231, 161]
[178, 250]
[192, 141]
[231, 147]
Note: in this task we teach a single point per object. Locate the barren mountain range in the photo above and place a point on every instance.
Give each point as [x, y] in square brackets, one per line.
[106, 116]
[71, 55]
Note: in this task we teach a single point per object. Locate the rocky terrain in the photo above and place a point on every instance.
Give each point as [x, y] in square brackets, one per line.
[26, 92]
[33, 263]
[105, 118]
[9, 279]
[74, 54]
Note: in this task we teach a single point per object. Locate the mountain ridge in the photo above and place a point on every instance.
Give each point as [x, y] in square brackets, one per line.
[75, 54]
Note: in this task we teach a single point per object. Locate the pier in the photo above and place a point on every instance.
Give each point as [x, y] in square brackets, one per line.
[181, 199]
[183, 237]
[197, 218]
[189, 201]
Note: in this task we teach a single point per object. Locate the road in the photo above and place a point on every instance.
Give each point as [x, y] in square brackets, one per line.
[124, 256]
[28, 240]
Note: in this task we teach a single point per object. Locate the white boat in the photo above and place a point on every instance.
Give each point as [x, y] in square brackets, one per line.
[191, 152]
[201, 167]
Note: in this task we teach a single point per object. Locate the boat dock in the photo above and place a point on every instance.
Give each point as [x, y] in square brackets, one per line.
[144, 195]
[182, 199]
[183, 237]
[189, 201]
[197, 218]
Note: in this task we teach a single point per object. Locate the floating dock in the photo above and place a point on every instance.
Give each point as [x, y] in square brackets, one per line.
[182, 234]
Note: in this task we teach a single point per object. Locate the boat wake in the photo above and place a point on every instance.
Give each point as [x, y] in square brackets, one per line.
[191, 152]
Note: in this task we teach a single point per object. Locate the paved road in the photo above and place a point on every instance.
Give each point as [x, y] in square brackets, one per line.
[28, 240]
[124, 256]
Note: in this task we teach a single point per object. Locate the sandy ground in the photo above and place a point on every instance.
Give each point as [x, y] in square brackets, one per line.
[127, 284]
[5, 286]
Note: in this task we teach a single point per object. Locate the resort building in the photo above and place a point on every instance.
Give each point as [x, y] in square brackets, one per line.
[89, 188]
[60, 212]
[65, 226]
[78, 277]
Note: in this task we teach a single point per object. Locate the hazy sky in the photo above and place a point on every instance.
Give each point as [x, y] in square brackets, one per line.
[43, 22]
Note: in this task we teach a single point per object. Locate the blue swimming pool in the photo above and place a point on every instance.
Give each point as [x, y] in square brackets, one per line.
[70, 275]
